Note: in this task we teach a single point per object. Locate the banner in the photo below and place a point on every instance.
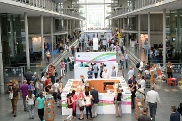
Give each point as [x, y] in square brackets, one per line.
[36, 44]
[107, 58]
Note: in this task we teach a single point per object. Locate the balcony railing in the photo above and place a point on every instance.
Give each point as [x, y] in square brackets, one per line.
[137, 5]
[51, 6]
[134, 27]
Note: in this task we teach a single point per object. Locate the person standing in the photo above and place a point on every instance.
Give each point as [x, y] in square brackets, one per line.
[24, 91]
[175, 116]
[130, 72]
[169, 69]
[152, 98]
[55, 90]
[28, 76]
[113, 73]
[40, 106]
[105, 74]
[126, 59]
[88, 104]
[95, 95]
[74, 98]
[39, 87]
[120, 73]
[69, 103]
[81, 104]
[144, 116]
[117, 103]
[30, 102]
[122, 61]
[101, 69]
[62, 68]
[16, 95]
[141, 67]
[89, 73]
[48, 55]
[65, 62]
[95, 70]
[133, 91]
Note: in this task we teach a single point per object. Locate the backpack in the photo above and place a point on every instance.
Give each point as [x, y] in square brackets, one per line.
[137, 65]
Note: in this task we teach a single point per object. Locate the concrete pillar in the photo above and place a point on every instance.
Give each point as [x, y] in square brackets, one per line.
[149, 28]
[109, 23]
[139, 41]
[42, 35]
[148, 51]
[27, 41]
[164, 37]
[1, 67]
[11, 40]
[52, 39]
[123, 23]
[67, 25]
[70, 26]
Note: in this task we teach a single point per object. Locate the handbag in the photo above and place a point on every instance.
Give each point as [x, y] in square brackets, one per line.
[11, 95]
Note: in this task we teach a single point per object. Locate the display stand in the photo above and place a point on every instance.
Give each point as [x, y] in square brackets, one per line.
[139, 105]
[49, 108]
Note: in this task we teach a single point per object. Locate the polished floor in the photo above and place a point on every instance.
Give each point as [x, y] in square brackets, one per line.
[170, 95]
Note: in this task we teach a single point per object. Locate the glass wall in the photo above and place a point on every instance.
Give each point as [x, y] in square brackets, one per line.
[95, 12]
[174, 32]
[13, 37]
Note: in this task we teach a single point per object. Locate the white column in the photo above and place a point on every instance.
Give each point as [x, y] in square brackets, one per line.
[139, 32]
[11, 40]
[27, 41]
[52, 41]
[70, 26]
[123, 23]
[148, 35]
[149, 28]
[67, 25]
[1, 67]
[164, 37]
[109, 23]
[42, 35]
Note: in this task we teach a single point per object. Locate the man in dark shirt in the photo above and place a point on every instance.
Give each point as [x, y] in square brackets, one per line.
[95, 95]
[175, 116]
[89, 73]
[144, 117]
[28, 76]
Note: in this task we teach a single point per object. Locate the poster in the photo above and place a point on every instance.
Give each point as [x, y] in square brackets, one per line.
[107, 58]
[36, 44]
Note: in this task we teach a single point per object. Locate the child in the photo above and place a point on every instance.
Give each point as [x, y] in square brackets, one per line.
[40, 106]
[30, 102]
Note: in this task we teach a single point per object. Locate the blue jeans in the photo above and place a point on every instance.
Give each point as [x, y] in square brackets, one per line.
[122, 64]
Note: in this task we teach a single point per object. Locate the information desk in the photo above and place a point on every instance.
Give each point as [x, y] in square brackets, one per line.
[106, 100]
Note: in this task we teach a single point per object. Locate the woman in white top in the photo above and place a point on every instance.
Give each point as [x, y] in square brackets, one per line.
[55, 90]
[44, 77]
[88, 104]
[30, 102]
[105, 74]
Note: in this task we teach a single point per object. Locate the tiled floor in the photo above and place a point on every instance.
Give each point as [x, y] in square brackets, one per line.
[169, 96]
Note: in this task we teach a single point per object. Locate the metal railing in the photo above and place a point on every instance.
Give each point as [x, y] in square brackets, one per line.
[144, 27]
[51, 6]
[57, 61]
[137, 5]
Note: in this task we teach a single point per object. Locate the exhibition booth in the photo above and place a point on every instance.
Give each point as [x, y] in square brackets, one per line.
[108, 58]
[107, 90]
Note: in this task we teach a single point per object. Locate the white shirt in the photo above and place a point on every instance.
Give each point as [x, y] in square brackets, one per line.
[153, 97]
[126, 56]
[105, 75]
[30, 100]
[88, 100]
[141, 66]
[130, 73]
[147, 72]
[55, 87]
[142, 83]
[43, 78]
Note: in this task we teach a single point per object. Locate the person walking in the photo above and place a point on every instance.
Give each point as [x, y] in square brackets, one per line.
[30, 103]
[74, 98]
[16, 95]
[24, 91]
[144, 116]
[88, 104]
[152, 98]
[122, 61]
[95, 95]
[133, 90]
[95, 70]
[169, 69]
[126, 59]
[62, 68]
[175, 116]
[141, 67]
[81, 104]
[113, 73]
[39, 87]
[70, 106]
[55, 90]
[117, 103]
[40, 106]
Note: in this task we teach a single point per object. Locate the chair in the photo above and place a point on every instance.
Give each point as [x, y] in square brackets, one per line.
[171, 81]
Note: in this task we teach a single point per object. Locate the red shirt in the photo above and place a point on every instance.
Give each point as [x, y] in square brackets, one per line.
[46, 82]
[70, 106]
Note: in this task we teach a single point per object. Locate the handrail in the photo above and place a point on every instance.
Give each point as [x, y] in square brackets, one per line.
[51, 6]
[61, 56]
